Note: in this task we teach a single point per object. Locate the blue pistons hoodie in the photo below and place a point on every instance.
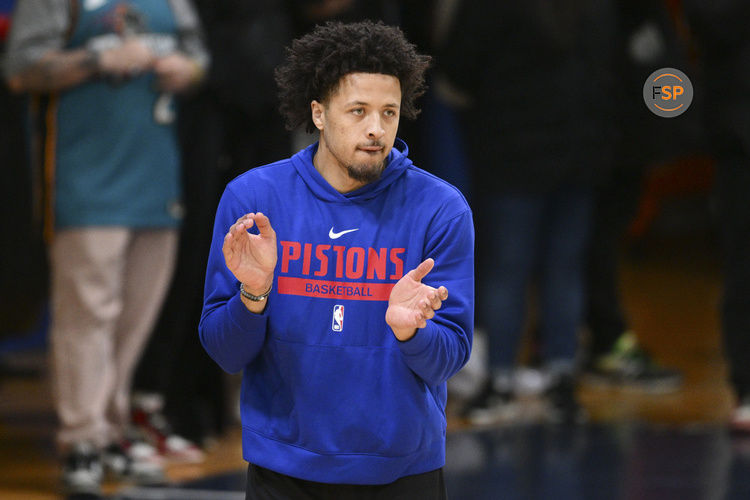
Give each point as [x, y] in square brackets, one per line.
[328, 392]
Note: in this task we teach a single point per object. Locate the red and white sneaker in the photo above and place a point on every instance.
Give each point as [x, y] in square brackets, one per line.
[152, 424]
[177, 449]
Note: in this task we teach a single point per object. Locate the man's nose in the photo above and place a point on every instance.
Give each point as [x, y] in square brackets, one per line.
[375, 129]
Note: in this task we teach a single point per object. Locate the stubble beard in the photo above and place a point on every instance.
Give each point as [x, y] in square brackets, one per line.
[366, 173]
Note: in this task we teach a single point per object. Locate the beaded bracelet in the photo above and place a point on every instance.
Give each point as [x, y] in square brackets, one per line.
[254, 298]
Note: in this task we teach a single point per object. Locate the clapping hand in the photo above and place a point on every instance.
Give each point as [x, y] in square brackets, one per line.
[412, 303]
[251, 257]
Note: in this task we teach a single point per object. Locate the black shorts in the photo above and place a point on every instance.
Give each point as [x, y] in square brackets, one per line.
[265, 484]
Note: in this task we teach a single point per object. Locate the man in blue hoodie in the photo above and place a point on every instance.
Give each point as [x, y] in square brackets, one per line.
[328, 283]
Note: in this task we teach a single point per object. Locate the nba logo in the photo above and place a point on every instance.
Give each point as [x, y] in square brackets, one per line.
[338, 318]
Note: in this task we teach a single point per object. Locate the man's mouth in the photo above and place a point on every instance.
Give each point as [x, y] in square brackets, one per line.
[371, 149]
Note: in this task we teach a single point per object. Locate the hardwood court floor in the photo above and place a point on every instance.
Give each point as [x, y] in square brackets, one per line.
[671, 292]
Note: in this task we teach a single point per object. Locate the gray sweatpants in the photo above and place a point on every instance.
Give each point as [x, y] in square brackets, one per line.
[108, 285]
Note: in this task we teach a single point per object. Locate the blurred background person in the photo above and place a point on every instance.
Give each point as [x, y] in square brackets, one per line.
[103, 74]
[436, 134]
[539, 133]
[647, 40]
[229, 126]
[720, 32]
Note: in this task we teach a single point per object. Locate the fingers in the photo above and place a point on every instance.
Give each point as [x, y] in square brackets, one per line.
[259, 219]
[130, 58]
[235, 232]
[234, 240]
[430, 302]
[419, 320]
[243, 224]
[435, 297]
[264, 225]
[175, 72]
[246, 222]
[422, 269]
[426, 309]
[434, 300]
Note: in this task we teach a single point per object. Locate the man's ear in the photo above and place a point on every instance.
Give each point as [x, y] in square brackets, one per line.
[318, 114]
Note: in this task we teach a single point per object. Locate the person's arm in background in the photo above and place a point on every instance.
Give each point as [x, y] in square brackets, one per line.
[186, 68]
[37, 61]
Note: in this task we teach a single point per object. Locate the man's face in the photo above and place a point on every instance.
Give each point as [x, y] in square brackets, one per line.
[358, 125]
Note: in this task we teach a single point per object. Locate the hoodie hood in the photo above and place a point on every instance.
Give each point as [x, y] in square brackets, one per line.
[397, 163]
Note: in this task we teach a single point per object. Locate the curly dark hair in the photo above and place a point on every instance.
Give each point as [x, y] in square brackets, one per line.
[316, 62]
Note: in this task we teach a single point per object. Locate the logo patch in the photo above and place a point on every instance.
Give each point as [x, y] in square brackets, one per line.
[334, 235]
[338, 318]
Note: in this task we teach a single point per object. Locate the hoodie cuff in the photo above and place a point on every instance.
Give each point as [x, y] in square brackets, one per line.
[244, 318]
[420, 341]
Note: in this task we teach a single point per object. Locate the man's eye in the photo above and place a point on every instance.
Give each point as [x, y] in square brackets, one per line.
[358, 111]
[390, 112]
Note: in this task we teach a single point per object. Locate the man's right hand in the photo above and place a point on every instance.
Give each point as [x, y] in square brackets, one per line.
[62, 69]
[251, 257]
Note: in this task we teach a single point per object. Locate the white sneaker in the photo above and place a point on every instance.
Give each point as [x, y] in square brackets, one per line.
[739, 420]
[492, 406]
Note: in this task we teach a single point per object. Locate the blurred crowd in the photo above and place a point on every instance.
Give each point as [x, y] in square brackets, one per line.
[121, 122]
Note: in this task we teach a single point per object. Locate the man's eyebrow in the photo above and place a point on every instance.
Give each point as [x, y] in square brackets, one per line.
[363, 103]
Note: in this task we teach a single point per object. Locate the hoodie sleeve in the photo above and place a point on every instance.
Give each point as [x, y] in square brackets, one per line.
[232, 335]
[440, 349]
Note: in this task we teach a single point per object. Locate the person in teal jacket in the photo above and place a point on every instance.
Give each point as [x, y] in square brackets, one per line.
[103, 75]
[340, 282]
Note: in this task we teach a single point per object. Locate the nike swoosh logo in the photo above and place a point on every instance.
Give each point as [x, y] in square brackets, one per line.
[334, 236]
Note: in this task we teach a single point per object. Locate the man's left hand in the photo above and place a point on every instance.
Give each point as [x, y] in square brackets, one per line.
[176, 73]
[412, 303]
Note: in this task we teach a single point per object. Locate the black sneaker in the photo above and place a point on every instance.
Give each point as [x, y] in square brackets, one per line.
[628, 365]
[133, 460]
[563, 405]
[82, 472]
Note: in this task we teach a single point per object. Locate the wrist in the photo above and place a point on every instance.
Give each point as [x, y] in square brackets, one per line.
[252, 295]
[404, 334]
[197, 71]
[93, 62]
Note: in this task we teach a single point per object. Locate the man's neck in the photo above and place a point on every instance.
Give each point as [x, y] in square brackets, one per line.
[328, 167]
